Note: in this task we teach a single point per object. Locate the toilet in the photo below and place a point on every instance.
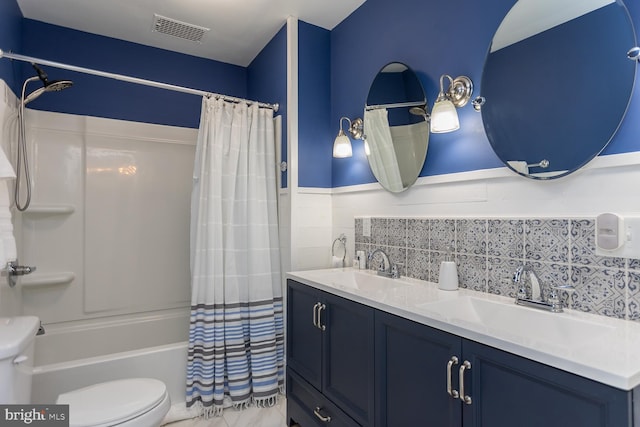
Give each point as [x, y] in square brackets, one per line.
[134, 402]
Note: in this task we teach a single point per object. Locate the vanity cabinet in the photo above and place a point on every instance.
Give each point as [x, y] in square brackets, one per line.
[503, 390]
[330, 359]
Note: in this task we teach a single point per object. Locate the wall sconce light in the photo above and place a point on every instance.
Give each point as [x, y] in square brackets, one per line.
[444, 117]
[342, 143]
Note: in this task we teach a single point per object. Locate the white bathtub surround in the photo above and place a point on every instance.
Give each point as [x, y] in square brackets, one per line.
[236, 346]
[103, 185]
[8, 251]
[107, 283]
[102, 189]
[10, 299]
[78, 163]
[6, 170]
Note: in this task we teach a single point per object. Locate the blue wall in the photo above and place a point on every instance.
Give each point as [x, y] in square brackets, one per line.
[10, 41]
[101, 97]
[316, 131]
[434, 38]
[336, 69]
[267, 81]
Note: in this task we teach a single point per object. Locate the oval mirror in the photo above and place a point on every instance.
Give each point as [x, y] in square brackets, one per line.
[556, 83]
[396, 127]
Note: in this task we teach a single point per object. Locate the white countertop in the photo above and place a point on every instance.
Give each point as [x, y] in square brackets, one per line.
[600, 348]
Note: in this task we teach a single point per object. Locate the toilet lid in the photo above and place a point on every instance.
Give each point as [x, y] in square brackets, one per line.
[112, 402]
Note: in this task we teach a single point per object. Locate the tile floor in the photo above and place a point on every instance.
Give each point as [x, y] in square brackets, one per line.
[250, 417]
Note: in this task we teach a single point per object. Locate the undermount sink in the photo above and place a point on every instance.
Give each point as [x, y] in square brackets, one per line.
[363, 281]
[515, 321]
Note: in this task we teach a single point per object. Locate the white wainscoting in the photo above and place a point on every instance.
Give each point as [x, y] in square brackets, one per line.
[608, 184]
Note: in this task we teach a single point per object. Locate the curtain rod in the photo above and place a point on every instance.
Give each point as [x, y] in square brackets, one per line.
[397, 105]
[130, 79]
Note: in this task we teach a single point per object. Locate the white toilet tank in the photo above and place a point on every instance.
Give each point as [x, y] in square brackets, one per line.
[17, 338]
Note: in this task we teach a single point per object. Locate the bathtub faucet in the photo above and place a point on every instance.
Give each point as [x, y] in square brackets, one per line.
[14, 269]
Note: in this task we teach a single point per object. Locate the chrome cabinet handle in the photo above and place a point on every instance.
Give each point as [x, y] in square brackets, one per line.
[465, 366]
[321, 308]
[452, 361]
[323, 418]
[315, 314]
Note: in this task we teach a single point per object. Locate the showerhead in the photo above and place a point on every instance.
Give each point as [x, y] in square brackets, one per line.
[22, 161]
[53, 86]
[57, 85]
[49, 86]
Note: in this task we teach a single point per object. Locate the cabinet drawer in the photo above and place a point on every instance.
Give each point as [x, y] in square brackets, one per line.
[308, 408]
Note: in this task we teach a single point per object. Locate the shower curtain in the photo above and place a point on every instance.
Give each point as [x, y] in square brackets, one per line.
[236, 347]
[382, 157]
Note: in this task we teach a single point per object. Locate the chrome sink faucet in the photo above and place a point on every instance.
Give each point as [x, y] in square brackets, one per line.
[386, 268]
[530, 291]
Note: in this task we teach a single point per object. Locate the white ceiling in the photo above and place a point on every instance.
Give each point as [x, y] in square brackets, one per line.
[239, 28]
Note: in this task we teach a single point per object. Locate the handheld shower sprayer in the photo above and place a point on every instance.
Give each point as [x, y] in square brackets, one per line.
[22, 161]
[48, 86]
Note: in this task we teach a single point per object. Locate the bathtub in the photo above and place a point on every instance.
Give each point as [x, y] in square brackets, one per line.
[75, 356]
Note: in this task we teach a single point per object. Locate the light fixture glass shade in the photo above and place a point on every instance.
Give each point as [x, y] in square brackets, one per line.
[342, 146]
[444, 117]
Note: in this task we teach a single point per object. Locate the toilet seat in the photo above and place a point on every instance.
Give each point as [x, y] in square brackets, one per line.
[113, 402]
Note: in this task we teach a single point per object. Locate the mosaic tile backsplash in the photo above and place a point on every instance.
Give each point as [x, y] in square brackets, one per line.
[488, 251]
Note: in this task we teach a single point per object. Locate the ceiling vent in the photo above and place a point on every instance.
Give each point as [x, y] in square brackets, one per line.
[175, 28]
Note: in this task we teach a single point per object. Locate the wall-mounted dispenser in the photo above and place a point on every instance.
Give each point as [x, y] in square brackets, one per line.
[618, 236]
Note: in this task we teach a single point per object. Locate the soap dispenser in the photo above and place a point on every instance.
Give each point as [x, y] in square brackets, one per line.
[448, 273]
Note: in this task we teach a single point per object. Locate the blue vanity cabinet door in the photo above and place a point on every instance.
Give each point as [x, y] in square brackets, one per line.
[304, 339]
[411, 368]
[348, 357]
[336, 354]
[509, 390]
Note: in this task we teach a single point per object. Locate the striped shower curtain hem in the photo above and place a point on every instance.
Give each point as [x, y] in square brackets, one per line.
[236, 351]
